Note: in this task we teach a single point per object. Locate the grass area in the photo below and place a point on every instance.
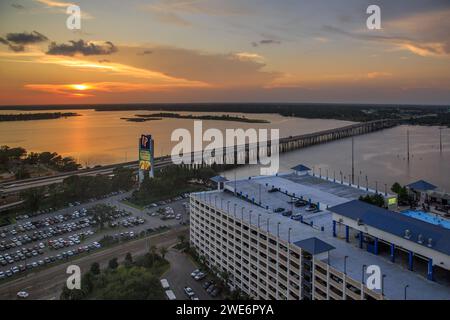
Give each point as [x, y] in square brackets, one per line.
[133, 205]
[133, 279]
[140, 203]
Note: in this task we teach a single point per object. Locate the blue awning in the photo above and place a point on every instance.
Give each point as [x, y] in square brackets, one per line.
[300, 168]
[421, 185]
[314, 245]
[218, 179]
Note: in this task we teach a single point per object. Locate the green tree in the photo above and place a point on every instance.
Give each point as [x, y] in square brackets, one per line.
[21, 173]
[113, 264]
[33, 198]
[95, 268]
[163, 251]
[396, 188]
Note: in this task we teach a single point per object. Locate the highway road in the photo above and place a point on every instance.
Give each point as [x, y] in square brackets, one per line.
[47, 284]
[17, 186]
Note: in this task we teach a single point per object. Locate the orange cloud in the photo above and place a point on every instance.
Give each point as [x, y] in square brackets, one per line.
[90, 88]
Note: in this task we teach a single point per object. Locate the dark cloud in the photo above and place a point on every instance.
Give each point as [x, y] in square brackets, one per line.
[17, 6]
[24, 38]
[82, 47]
[265, 41]
[17, 41]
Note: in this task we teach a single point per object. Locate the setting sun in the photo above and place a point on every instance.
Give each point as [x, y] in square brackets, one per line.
[80, 87]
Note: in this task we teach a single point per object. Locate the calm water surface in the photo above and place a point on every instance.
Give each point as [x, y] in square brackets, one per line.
[379, 155]
[103, 138]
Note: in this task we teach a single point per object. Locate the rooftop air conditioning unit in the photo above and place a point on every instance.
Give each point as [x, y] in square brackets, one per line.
[359, 222]
[430, 242]
[407, 234]
[341, 220]
[420, 239]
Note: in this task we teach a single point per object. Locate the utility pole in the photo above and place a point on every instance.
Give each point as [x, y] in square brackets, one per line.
[407, 144]
[259, 194]
[235, 181]
[440, 138]
[353, 160]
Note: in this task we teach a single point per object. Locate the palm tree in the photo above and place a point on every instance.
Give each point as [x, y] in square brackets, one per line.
[163, 252]
[182, 239]
[153, 251]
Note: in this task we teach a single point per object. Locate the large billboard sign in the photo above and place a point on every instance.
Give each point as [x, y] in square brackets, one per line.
[146, 155]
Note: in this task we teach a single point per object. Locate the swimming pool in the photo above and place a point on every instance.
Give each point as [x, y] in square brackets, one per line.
[427, 217]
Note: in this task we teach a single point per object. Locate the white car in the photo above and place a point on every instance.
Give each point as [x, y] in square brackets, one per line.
[189, 292]
[195, 272]
[22, 294]
[200, 276]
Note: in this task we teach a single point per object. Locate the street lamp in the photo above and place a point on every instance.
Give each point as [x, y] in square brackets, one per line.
[345, 265]
[363, 273]
[406, 287]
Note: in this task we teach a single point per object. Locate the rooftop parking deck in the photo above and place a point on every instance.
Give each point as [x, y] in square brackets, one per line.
[397, 277]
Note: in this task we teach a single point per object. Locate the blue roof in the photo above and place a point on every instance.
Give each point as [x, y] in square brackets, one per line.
[300, 167]
[314, 246]
[218, 179]
[421, 185]
[396, 224]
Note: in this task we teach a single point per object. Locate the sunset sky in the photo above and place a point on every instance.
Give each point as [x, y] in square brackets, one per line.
[224, 51]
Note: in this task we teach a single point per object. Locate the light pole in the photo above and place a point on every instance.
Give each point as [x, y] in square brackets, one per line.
[345, 265]
[363, 273]
[353, 160]
[382, 284]
[260, 194]
[406, 287]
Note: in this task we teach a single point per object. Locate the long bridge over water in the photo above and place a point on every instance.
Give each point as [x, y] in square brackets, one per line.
[245, 154]
[241, 152]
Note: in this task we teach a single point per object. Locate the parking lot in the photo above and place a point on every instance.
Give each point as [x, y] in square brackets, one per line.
[179, 277]
[50, 237]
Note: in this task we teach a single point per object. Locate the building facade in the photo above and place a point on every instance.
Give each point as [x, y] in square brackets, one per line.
[261, 263]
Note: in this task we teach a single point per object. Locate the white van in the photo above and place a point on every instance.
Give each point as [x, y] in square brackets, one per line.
[165, 284]
[170, 295]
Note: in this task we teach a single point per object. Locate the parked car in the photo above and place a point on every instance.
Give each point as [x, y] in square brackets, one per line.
[195, 272]
[215, 292]
[200, 276]
[189, 292]
[22, 294]
[207, 284]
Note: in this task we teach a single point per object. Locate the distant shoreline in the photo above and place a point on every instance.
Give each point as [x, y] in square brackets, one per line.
[158, 116]
[36, 116]
[427, 115]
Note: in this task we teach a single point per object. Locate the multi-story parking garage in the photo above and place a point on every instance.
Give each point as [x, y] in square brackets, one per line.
[270, 255]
